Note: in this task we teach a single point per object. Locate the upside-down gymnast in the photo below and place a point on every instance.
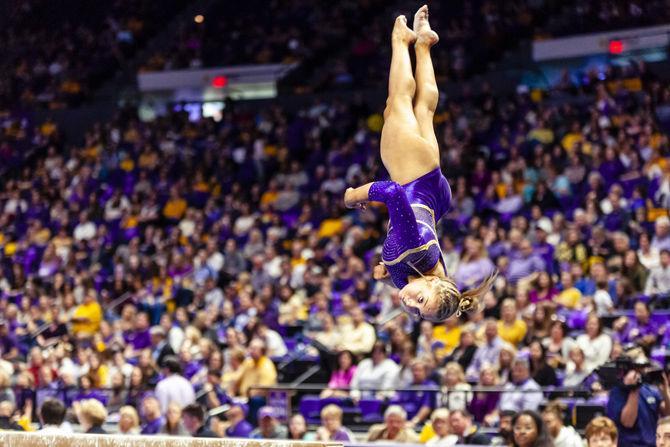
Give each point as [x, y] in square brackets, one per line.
[418, 195]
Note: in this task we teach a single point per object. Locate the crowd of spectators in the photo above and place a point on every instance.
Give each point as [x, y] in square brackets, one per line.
[474, 35]
[56, 53]
[163, 269]
[264, 32]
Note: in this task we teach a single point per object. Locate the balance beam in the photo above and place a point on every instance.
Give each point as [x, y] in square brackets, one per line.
[35, 439]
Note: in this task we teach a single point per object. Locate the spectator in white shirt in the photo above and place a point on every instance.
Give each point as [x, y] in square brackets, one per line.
[52, 416]
[575, 371]
[273, 341]
[174, 388]
[376, 374]
[602, 301]
[661, 238]
[85, 229]
[650, 257]
[522, 393]
[595, 344]
[659, 278]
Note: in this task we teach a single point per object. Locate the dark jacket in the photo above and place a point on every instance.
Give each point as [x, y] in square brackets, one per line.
[97, 430]
[7, 424]
[476, 438]
[204, 432]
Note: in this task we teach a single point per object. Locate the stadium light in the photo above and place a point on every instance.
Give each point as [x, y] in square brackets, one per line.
[219, 81]
[616, 46]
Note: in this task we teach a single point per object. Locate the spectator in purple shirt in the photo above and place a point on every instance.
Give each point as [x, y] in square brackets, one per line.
[524, 263]
[9, 344]
[641, 329]
[475, 265]
[152, 415]
[483, 405]
[331, 426]
[487, 353]
[541, 247]
[418, 404]
[239, 427]
[139, 337]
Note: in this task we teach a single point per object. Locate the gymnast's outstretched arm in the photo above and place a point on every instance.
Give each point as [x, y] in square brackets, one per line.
[394, 197]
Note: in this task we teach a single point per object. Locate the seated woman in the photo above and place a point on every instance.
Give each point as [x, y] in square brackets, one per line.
[562, 435]
[331, 428]
[595, 344]
[576, 371]
[543, 288]
[340, 379]
[484, 405]
[558, 345]
[529, 430]
[418, 195]
[440, 423]
[540, 371]
[129, 421]
[456, 394]
[91, 414]
[297, 429]
[465, 351]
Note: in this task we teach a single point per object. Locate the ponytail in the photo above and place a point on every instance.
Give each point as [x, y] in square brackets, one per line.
[470, 299]
[452, 301]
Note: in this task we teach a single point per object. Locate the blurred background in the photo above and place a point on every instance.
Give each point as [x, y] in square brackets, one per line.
[175, 256]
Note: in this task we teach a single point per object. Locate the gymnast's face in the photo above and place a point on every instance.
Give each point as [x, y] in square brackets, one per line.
[419, 298]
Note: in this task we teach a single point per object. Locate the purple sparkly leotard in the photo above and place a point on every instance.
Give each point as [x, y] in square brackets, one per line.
[414, 209]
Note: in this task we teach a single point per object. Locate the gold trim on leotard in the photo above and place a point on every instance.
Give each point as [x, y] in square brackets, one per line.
[427, 208]
[422, 206]
[406, 253]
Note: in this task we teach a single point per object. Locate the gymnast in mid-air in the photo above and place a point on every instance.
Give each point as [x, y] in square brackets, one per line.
[418, 194]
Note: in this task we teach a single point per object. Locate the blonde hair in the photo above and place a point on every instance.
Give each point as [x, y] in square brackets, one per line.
[601, 424]
[331, 410]
[453, 300]
[93, 411]
[457, 368]
[130, 411]
[440, 413]
[492, 369]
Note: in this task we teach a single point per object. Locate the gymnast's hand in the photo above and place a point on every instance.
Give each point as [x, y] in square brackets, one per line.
[351, 199]
[380, 272]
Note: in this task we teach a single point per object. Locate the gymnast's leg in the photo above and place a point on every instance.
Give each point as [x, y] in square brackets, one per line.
[406, 154]
[427, 95]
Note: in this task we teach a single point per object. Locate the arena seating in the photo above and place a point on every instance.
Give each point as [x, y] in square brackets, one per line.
[226, 244]
[52, 61]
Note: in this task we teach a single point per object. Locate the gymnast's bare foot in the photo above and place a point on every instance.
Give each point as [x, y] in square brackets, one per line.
[401, 33]
[425, 35]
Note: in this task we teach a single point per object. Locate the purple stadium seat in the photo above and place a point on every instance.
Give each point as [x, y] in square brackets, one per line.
[577, 319]
[310, 407]
[371, 410]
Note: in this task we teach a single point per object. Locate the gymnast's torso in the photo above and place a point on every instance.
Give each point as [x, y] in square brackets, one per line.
[411, 244]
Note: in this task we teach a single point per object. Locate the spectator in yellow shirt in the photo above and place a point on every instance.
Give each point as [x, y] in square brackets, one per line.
[511, 328]
[175, 207]
[256, 370]
[87, 316]
[570, 296]
[449, 334]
